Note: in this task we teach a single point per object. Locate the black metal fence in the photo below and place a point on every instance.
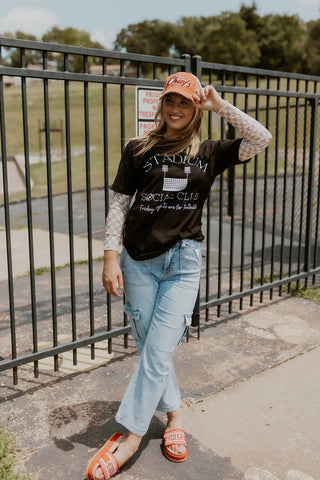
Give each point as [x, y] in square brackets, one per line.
[261, 219]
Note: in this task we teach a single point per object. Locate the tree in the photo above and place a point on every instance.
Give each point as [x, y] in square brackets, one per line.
[312, 47]
[281, 39]
[252, 19]
[188, 34]
[227, 40]
[13, 57]
[70, 36]
[151, 37]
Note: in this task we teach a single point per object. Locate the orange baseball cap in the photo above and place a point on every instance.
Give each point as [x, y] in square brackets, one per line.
[183, 83]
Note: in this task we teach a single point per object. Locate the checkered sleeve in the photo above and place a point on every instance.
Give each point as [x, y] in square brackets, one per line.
[255, 136]
[115, 220]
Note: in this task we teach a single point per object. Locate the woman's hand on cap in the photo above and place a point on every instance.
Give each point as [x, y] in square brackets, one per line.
[208, 99]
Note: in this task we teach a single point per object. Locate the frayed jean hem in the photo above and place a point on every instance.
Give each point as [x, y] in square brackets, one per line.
[130, 426]
[168, 410]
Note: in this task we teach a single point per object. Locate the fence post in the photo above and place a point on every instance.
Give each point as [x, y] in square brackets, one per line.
[187, 59]
[309, 220]
[231, 134]
[196, 66]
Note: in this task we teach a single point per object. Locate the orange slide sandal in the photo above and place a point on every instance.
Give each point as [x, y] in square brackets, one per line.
[105, 458]
[174, 437]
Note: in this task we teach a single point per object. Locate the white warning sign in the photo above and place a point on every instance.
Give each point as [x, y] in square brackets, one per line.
[147, 100]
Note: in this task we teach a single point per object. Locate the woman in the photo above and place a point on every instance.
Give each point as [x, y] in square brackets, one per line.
[170, 173]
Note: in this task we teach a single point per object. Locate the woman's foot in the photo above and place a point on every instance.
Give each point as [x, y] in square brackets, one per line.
[125, 450]
[175, 421]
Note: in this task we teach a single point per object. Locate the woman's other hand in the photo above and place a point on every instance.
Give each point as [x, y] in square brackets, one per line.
[111, 274]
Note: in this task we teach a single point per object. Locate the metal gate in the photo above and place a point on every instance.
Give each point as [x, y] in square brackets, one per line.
[261, 219]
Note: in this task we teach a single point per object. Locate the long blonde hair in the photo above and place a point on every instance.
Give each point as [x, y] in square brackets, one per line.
[188, 143]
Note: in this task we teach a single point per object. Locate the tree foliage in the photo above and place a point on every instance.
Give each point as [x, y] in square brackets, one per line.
[70, 36]
[187, 34]
[249, 15]
[12, 57]
[67, 36]
[227, 40]
[312, 47]
[151, 37]
[279, 42]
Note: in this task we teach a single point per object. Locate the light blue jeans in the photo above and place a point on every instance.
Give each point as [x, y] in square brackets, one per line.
[160, 295]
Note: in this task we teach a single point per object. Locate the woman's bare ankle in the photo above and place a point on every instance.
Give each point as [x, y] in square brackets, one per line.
[133, 441]
[174, 419]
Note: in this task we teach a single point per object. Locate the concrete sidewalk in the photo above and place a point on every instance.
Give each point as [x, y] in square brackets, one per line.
[251, 398]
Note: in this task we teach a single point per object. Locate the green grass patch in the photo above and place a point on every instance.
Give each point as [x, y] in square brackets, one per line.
[266, 279]
[312, 294]
[8, 454]
[46, 270]
[309, 293]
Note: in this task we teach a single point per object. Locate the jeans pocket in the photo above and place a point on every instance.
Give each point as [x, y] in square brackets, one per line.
[190, 256]
[135, 321]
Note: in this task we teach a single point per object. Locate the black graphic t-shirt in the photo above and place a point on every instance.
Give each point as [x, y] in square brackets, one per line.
[169, 193]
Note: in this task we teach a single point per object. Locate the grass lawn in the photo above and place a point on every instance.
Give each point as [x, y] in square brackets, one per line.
[36, 137]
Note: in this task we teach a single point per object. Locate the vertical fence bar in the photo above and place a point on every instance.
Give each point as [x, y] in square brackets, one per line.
[254, 208]
[312, 155]
[208, 232]
[196, 65]
[154, 71]
[8, 229]
[317, 218]
[50, 211]
[316, 236]
[88, 198]
[265, 197]
[139, 71]
[231, 181]
[219, 280]
[285, 183]
[29, 212]
[294, 182]
[275, 190]
[106, 181]
[244, 203]
[220, 264]
[123, 133]
[188, 64]
[197, 71]
[301, 229]
[208, 253]
[231, 185]
[70, 206]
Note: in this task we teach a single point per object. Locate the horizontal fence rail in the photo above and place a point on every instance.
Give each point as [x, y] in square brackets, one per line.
[63, 127]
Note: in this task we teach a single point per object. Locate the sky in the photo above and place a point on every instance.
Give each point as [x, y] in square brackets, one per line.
[104, 19]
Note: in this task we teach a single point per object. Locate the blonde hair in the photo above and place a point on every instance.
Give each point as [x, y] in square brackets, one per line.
[189, 142]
